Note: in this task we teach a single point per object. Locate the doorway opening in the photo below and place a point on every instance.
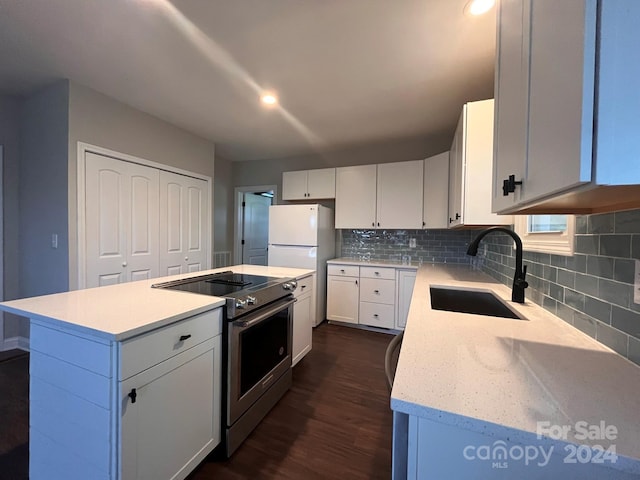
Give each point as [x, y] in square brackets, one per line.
[251, 226]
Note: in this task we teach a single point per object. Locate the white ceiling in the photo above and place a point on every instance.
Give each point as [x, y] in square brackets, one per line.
[347, 71]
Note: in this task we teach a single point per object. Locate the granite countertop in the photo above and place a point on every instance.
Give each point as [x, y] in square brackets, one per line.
[118, 312]
[373, 263]
[502, 376]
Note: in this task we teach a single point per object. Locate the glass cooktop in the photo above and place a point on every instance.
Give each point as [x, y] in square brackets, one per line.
[223, 284]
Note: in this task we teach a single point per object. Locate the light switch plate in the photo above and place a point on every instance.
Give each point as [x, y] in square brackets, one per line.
[636, 284]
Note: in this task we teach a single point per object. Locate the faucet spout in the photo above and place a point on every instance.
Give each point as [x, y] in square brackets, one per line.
[519, 282]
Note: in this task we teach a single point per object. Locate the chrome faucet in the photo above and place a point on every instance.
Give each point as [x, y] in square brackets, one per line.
[519, 283]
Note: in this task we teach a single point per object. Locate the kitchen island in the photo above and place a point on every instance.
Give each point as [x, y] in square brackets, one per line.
[97, 353]
[486, 397]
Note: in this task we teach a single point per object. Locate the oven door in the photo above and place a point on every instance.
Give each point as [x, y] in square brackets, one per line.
[259, 353]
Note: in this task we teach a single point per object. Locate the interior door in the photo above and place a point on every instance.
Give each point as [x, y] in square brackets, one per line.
[183, 223]
[255, 224]
[121, 211]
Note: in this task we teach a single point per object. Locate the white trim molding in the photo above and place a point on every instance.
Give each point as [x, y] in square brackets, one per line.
[558, 243]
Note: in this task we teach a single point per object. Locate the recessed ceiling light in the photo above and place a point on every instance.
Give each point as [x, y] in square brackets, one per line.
[478, 7]
[269, 99]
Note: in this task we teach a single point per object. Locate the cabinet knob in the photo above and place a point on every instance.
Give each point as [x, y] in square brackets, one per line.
[378, 223]
[373, 224]
[509, 185]
[375, 315]
[376, 291]
[133, 395]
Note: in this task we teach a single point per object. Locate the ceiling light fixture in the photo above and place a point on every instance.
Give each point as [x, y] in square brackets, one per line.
[269, 99]
[478, 7]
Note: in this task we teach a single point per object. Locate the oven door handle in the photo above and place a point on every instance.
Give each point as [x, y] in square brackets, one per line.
[264, 314]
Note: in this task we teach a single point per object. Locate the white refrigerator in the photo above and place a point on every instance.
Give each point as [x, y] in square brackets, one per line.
[303, 236]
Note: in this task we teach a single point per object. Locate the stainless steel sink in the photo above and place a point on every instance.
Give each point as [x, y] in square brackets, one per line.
[477, 302]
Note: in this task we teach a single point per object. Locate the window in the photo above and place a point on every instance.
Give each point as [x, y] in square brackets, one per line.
[546, 233]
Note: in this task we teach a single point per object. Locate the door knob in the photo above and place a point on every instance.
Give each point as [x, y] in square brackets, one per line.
[124, 264]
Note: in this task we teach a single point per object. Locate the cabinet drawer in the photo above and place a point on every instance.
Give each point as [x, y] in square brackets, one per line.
[305, 285]
[377, 315]
[151, 348]
[343, 270]
[376, 272]
[378, 291]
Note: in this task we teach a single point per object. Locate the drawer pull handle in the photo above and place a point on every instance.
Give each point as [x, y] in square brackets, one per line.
[377, 273]
[376, 291]
[375, 315]
[342, 270]
[303, 287]
[133, 395]
[185, 337]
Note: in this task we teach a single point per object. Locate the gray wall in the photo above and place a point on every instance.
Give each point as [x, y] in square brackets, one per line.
[44, 124]
[593, 289]
[223, 206]
[102, 121]
[10, 140]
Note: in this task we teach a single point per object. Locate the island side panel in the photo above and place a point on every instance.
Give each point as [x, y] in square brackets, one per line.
[71, 419]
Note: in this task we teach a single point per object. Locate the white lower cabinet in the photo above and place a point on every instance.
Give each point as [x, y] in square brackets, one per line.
[369, 296]
[405, 280]
[304, 311]
[343, 293]
[143, 408]
[377, 297]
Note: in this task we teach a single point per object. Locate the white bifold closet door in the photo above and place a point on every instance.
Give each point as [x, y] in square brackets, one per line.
[122, 221]
[183, 221]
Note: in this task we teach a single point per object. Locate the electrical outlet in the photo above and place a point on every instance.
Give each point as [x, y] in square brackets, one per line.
[636, 284]
[412, 243]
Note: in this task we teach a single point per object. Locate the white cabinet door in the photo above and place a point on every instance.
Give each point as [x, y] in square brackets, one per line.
[309, 184]
[121, 229]
[356, 197]
[184, 212]
[455, 172]
[511, 109]
[342, 299]
[304, 312]
[400, 195]
[406, 279]
[470, 172]
[175, 419]
[436, 191]
[294, 185]
[321, 183]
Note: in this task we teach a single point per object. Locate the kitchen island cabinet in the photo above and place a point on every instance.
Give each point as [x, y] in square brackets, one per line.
[304, 318]
[566, 107]
[125, 380]
[472, 394]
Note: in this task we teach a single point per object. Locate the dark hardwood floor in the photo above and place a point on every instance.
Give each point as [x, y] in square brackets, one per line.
[335, 422]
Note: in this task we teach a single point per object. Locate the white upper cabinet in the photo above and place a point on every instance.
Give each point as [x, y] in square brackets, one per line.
[436, 191]
[388, 195]
[309, 184]
[566, 106]
[356, 196]
[470, 169]
[399, 195]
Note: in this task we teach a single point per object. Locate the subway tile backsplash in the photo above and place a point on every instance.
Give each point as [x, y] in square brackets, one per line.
[432, 246]
[593, 289]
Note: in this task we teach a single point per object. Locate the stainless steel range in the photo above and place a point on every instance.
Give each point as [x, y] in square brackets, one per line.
[258, 332]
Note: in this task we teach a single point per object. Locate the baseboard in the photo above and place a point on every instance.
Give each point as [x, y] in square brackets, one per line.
[21, 343]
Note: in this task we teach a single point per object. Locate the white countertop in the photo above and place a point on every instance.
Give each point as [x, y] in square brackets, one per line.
[121, 311]
[373, 263]
[502, 376]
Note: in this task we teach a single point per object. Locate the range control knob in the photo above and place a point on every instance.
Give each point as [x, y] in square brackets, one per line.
[240, 303]
[251, 300]
[290, 285]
